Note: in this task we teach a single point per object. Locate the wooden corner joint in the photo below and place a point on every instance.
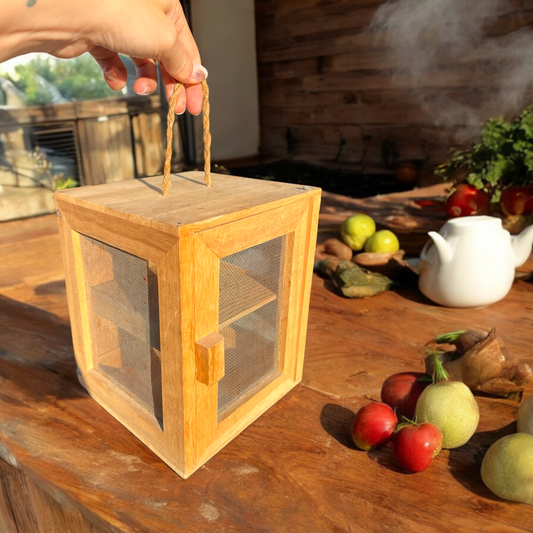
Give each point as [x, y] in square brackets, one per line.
[209, 351]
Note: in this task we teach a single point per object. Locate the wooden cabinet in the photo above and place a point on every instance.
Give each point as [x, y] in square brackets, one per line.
[188, 312]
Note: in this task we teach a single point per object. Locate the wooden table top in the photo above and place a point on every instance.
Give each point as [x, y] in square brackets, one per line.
[295, 469]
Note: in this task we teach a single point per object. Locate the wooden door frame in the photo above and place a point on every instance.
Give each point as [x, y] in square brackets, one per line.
[211, 245]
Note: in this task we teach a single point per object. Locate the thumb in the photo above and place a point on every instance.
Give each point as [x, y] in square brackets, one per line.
[179, 64]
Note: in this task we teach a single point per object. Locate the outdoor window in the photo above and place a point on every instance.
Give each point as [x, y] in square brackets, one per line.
[61, 126]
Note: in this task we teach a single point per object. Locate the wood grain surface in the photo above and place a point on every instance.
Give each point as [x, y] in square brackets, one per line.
[67, 465]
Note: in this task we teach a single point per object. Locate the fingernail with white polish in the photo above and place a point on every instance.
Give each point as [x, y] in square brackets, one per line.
[111, 74]
[180, 113]
[146, 90]
[199, 73]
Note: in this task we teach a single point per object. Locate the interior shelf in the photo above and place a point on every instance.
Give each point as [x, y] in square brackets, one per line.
[240, 294]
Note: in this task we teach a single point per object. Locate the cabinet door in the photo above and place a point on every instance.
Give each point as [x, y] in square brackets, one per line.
[248, 297]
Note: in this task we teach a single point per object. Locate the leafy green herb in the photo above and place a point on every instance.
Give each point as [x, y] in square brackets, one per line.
[502, 157]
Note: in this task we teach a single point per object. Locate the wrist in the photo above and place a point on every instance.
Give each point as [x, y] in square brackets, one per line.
[42, 26]
[13, 29]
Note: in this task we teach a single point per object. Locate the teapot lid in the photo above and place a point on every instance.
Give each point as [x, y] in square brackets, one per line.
[474, 222]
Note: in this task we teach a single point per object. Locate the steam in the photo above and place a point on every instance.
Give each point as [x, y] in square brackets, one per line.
[460, 57]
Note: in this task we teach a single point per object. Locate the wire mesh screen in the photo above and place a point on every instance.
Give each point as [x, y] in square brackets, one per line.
[123, 308]
[251, 298]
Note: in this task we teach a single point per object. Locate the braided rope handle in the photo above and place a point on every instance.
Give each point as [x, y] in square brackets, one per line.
[170, 129]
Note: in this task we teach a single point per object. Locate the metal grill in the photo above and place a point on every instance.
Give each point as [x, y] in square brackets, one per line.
[60, 144]
[251, 296]
[123, 308]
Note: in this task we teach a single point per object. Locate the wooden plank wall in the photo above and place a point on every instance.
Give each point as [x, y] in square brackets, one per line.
[106, 149]
[329, 95]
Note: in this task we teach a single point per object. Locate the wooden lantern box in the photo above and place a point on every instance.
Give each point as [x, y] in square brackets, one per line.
[189, 311]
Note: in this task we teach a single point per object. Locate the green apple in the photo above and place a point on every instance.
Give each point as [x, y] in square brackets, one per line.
[381, 242]
[356, 229]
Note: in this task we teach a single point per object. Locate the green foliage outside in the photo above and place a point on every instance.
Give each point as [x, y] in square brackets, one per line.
[63, 183]
[503, 156]
[45, 79]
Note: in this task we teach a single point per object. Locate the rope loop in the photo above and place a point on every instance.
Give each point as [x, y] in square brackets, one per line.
[170, 130]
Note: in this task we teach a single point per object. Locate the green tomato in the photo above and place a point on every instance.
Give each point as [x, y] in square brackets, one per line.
[356, 229]
[383, 241]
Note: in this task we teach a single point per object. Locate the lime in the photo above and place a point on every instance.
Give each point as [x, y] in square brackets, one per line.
[381, 242]
[356, 229]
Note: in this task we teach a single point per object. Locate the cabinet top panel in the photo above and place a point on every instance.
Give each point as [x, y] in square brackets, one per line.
[190, 201]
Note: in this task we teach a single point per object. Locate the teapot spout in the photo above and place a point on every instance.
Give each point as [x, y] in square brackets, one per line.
[522, 244]
[444, 250]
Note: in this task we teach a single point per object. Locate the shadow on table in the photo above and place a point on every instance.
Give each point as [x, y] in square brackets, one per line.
[412, 293]
[465, 462]
[336, 420]
[36, 349]
[384, 456]
[52, 287]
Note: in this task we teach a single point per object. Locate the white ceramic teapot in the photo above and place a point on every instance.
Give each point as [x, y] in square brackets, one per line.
[471, 261]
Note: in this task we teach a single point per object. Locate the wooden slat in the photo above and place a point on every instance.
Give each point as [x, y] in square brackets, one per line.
[78, 110]
[250, 231]
[310, 229]
[190, 203]
[295, 314]
[180, 369]
[284, 303]
[33, 510]
[127, 233]
[7, 506]
[75, 286]
[117, 106]
[334, 18]
[38, 114]
[106, 149]
[84, 357]
[206, 308]
[148, 144]
[173, 309]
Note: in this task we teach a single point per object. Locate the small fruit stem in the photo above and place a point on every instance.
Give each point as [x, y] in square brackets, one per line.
[405, 422]
[439, 372]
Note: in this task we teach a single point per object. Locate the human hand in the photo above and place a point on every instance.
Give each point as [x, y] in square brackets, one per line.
[146, 30]
[166, 38]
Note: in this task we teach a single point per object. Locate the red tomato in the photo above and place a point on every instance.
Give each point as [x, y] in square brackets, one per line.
[415, 446]
[401, 392]
[467, 200]
[373, 425]
[517, 200]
